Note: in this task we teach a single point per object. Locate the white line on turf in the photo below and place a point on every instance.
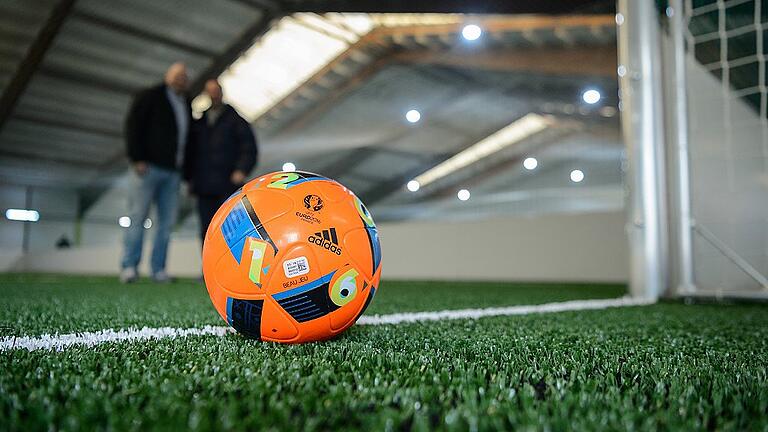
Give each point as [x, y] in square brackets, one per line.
[59, 342]
[574, 305]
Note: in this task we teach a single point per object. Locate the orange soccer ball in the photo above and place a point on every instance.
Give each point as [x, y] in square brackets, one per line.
[291, 257]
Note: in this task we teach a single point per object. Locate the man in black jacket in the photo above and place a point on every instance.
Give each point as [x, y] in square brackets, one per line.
[156, 130]
[222, 151]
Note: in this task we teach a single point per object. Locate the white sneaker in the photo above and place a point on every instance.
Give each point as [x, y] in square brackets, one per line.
[129, 275]
[162, 277]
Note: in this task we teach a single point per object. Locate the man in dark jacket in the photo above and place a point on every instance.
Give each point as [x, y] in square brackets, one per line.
[156, 130]
[222, 151]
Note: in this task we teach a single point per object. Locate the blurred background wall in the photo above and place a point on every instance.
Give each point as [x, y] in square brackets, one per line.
[584, 247]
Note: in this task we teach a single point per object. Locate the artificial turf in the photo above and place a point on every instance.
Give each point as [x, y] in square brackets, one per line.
[39, 304]
[668, 366]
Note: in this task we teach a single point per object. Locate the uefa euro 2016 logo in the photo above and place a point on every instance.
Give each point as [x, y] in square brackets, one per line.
[313, 202]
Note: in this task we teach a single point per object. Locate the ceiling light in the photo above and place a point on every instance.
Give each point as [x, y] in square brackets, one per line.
[577, 176]
[124, 221]
[591, 96]
[511, 134]
[147, 223]
[289, 166]
[22, 215]
[413, 116]
[530, 163]
[471, 32]
[463, 195]
[413, 186]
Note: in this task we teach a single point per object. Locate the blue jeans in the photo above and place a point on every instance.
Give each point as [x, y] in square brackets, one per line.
[160, 185]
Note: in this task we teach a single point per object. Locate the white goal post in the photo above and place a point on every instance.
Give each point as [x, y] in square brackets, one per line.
[695, 124]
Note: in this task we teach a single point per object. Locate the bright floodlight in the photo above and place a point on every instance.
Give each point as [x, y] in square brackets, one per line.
[463, 195]
[591, 96]
[147, 223]
[413, 116]
[124, 221]
[577, 176]
[22, 215]
[413, 186]
[530, 163]
[471, 32]
[289, 166]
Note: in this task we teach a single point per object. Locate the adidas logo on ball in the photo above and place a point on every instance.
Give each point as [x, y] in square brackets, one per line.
[326, 239]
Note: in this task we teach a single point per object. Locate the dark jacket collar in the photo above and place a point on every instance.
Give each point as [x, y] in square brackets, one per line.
[162, 88]
[225, 109]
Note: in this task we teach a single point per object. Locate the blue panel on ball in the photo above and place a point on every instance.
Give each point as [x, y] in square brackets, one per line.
[236, 228]
[304, 180]
[245, 316]
[373, 238]
[309, 301]
[306, 287]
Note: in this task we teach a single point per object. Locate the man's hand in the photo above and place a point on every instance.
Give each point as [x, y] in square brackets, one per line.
[238, 177]
[140, 168]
